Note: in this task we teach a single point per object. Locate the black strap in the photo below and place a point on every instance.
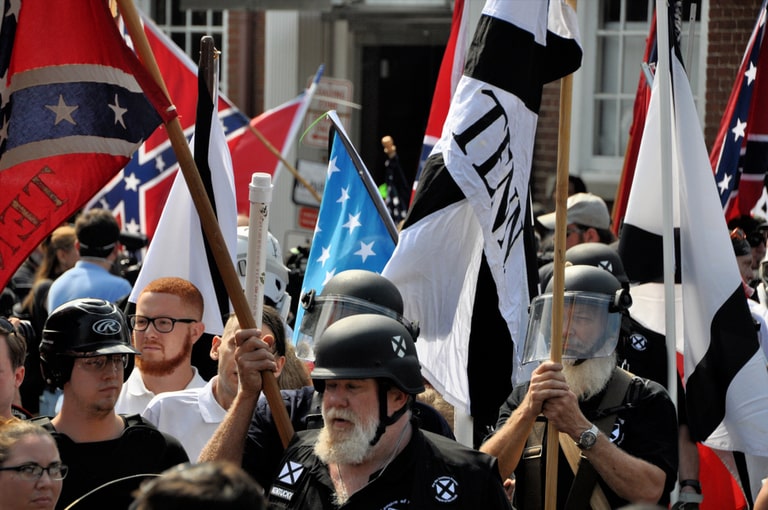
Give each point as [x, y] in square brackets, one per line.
[582, 487]
[531, 472]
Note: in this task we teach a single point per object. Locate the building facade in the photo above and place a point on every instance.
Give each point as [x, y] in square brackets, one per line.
[385, 54]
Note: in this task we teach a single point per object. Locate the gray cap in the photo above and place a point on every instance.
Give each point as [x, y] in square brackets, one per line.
[583, 209]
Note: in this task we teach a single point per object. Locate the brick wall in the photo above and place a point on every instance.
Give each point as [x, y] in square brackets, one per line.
[731, 23]
[246, 61]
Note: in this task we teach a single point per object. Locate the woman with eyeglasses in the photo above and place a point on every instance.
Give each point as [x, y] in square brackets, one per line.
[31, 472]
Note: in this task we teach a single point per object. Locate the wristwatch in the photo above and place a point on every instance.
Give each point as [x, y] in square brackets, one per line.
[588, 438]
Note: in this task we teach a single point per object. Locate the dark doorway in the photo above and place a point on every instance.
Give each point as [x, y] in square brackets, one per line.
[397, 87]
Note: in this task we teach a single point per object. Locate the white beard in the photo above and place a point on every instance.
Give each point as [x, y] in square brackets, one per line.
[334, 447]
[590, 377]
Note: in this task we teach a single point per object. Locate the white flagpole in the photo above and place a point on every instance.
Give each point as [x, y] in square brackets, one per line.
[663, 74]
[260, 196]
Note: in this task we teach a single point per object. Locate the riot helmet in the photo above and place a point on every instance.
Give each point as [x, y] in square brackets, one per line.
[350, 292]
[277, 274]
[593, 305]
[370, 346]
[82, 328]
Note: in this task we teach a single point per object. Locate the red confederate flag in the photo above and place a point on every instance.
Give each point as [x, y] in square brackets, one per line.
[75, 103]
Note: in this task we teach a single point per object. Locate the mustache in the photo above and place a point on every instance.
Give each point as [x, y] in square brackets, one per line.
[340, 414]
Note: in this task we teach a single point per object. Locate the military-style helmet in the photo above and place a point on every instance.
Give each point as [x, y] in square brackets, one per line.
[277, 274]
[599, 255]
[351, 292]
[592, 309]
[368, 346]
[82, 328]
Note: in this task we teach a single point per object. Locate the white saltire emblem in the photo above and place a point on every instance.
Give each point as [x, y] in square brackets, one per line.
[639, 342]
[398, 345]
[606, 264]
[446, 489]
[291, 472]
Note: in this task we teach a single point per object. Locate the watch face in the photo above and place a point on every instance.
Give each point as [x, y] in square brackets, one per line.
[587, 439]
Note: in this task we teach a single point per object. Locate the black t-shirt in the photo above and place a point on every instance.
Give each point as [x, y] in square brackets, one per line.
[432, 472]
[644, 427]
[140, 450]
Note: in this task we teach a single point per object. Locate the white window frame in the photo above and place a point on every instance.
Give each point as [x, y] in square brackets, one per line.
[602, 173]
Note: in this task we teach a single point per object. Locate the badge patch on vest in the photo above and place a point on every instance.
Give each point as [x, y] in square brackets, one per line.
[638, 342]
[446, 489]
[289, 475]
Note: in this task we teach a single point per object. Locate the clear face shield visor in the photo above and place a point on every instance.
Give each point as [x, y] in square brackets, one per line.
[322, 311]
[590, 328]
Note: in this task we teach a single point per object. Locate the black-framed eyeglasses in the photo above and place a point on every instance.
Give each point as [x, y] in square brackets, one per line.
[33, 471]
[97, 363]
[161, 324]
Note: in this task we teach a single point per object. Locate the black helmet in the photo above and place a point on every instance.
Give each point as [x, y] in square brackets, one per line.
[594, 301]
[599, 255]
[350, 292]
[81, 328]
[368, 346]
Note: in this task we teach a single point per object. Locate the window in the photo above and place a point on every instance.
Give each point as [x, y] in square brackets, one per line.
[187, 27]
[614, 36]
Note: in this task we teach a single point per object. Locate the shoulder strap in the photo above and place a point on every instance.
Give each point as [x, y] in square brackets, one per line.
[615, 391]
[45, 422]
[314, 417]
[131, 420]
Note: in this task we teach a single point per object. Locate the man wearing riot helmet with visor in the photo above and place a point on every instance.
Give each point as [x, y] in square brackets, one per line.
[619, 431]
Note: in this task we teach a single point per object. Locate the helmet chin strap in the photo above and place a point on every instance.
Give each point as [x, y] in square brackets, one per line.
[384, 420]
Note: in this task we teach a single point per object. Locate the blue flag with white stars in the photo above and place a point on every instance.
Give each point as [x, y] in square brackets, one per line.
[354, 229]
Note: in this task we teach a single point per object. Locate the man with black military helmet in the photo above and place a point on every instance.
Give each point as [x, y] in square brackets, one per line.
[369, 453]
[619, 430]
[248, 435]
[85, 350]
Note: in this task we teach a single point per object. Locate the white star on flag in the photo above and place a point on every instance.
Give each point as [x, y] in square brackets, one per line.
[738, 129]
[366, 250]
[119, 112]
[132, 183]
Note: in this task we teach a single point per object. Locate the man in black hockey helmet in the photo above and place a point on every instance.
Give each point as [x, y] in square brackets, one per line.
[85, 350]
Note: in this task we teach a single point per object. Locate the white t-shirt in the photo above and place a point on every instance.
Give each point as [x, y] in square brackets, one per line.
[190, 415]
[134, 396]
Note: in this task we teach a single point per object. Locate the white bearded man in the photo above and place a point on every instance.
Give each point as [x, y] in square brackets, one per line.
[370, 453]
[620, 431]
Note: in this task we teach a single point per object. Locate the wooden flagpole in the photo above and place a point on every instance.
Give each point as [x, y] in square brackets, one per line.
[207, 216]
[558, 283]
